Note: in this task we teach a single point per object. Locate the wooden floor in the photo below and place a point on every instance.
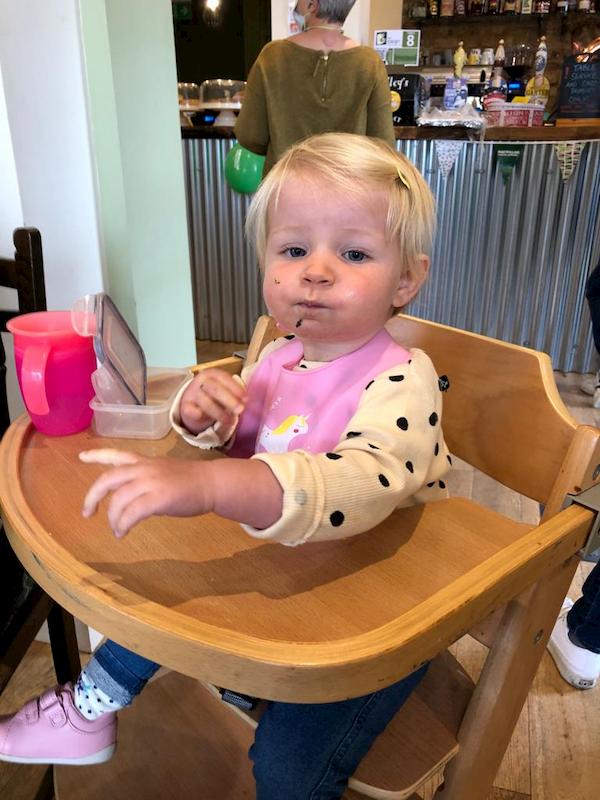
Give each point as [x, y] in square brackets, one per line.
[555, 750]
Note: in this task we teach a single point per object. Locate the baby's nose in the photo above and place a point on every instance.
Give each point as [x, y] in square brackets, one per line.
[318, 270]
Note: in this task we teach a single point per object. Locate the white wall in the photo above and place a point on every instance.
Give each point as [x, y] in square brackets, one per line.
[40, 60]
[11, 217]
[96, 159]
[356, 26]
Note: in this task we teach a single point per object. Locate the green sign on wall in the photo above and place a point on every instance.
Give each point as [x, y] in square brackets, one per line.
[182, 10]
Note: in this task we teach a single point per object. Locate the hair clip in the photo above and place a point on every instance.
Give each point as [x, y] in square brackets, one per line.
[403, 179]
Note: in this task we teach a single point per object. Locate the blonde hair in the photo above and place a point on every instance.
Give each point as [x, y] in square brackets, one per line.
[355, 165]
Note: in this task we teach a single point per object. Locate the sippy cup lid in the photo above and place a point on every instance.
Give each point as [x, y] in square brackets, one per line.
[121, 376]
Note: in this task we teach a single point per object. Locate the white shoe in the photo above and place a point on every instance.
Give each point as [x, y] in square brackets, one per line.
[590, 383]
[578, 666]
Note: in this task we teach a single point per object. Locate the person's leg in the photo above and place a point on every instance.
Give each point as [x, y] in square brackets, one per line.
[309, 751]
[575, 639]
[111, 679]
[583, 620]
[592, 293]
[77, 725]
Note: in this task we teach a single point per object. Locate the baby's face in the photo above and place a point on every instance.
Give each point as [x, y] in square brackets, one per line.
[329, 266]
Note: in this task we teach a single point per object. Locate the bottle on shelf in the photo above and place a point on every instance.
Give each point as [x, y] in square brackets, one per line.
[509, 7]
[433, 8]
[499, 59]
[459, 59]
[584, 6]
[538, 87]
[460, 8]
[419, 10]
[475, 7]
[447, 8]
[493, 7]
[562, 7]
[527, 7]
[542, 6]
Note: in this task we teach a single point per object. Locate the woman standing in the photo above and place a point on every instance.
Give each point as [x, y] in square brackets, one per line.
[316, 81]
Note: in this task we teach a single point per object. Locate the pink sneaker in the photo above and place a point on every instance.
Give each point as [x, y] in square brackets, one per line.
[50, 730]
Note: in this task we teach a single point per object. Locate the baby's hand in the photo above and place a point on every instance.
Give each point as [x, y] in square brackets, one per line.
[213, 396]
[142, 487]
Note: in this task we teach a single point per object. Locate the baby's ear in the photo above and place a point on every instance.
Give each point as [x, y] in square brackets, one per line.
[411, 282]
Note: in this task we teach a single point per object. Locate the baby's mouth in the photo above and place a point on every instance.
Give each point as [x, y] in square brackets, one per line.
[310, 305]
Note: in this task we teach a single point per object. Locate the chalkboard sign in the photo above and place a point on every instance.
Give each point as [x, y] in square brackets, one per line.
[579, 95]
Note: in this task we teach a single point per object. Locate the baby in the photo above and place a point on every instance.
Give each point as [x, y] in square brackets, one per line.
[332, 429]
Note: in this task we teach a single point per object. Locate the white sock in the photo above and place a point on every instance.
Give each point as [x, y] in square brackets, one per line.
[91, 701]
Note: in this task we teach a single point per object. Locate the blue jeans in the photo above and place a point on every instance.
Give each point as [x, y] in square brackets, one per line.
[300, 751]
[583, 620]
[592, 293]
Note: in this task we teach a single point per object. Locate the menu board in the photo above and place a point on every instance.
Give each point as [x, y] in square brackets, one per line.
[579, 95]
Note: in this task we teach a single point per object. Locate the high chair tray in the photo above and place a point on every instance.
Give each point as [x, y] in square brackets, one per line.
[314, 623]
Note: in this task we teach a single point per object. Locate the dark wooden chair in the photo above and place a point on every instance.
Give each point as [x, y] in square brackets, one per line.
[23, 605]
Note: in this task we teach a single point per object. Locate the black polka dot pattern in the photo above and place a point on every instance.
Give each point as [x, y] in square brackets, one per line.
[289, 336]
[373, 446]
[430, 485]
[441, 484]
[336, 519]
[436, 449]
[370, 383]
[402, 423]
[383, 480]
[433, 419]
[449, 460]
[333, 456]
[352, 434]
[409, 466]
[444, 383]
[303, 366]
[396, 378]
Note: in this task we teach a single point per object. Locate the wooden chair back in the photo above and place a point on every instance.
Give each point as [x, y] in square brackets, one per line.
[512, 424]
[24, 606]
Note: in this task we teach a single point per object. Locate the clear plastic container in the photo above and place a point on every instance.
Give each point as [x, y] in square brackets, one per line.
[150, 421]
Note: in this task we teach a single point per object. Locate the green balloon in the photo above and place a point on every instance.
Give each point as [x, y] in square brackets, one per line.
[243, 169]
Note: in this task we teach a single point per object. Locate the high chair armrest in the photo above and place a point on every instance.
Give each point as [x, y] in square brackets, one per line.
[232, 364]
[590, 498]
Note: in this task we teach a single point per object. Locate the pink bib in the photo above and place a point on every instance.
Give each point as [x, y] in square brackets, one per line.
[298, 410]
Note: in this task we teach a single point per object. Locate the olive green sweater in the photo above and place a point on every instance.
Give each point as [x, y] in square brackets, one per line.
[294, 92]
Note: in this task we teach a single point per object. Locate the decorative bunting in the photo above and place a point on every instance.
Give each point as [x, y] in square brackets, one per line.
[447, 153]
[507, 156]
[568, 154]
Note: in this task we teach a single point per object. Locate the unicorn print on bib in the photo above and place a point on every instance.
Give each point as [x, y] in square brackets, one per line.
[277, 440]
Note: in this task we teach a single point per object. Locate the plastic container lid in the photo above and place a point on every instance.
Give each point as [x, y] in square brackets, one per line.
[121, 376]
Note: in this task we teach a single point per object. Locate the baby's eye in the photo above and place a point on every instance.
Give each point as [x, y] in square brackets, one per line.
[355, 256]
[295, 252]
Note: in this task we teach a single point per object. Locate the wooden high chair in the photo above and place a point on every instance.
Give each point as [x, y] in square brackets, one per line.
[504, 416]
[432, 573]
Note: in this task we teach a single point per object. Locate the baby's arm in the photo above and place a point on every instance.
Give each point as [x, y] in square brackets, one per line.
[141, 487]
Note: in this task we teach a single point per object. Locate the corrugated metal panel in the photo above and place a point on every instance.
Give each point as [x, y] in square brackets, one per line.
[509, 261]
